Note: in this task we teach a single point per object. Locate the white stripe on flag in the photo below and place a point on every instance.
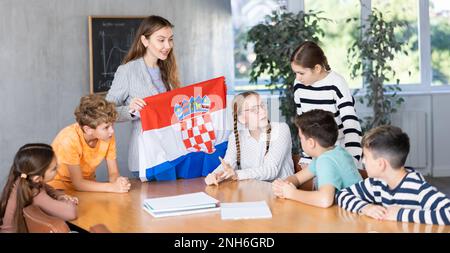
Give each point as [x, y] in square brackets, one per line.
[166, 144]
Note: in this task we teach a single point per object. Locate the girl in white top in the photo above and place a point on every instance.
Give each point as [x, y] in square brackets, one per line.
[259, 149]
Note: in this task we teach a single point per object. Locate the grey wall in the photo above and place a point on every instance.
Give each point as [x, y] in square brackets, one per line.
[44, 67]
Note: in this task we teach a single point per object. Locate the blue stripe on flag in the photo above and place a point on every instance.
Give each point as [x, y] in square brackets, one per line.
[191, 165]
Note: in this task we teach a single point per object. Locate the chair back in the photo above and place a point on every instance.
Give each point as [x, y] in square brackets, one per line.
[39, 222]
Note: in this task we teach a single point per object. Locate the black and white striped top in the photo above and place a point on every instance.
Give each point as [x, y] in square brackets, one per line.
[419, 201]
[332, 94]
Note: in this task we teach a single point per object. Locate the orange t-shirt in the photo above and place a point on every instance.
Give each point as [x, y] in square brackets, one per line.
[71, 149]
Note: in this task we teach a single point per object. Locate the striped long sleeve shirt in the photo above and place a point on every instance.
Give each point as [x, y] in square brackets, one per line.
[419, 202]
[332, 94]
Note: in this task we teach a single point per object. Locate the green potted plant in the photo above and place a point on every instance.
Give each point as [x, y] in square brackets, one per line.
[274, 41]
[370, 56]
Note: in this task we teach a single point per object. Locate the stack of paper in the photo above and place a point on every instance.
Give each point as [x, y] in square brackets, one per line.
[181, 204]
[245, 210]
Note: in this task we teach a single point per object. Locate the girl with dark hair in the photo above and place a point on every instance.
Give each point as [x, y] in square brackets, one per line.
[318, 87]
[34, 165]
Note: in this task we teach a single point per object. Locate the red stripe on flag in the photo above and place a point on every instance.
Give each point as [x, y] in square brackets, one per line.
[159, 111]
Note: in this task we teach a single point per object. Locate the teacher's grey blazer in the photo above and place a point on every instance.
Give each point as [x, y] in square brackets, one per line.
[131, 80]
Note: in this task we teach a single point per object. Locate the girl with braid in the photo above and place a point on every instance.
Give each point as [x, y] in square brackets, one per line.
[34, 165]
[257, 149]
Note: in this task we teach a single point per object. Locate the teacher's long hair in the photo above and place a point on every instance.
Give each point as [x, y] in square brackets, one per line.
[168, 67]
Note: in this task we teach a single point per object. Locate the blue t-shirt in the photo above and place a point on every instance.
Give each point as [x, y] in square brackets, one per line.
[155, 76]
[335, 167]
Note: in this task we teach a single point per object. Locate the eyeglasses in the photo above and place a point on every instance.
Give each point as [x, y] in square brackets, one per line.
[255, 109]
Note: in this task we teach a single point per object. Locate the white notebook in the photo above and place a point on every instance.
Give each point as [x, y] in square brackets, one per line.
[245, 210]
[180, 204]
[182, 212]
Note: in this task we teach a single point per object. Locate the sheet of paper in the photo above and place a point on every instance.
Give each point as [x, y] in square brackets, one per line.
[245, 210]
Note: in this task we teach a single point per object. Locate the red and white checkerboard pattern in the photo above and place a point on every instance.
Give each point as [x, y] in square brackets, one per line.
[198, 133]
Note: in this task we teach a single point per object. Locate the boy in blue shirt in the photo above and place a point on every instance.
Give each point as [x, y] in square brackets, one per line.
[332, 165]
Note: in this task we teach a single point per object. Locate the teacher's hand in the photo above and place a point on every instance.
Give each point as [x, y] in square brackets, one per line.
[136, 105]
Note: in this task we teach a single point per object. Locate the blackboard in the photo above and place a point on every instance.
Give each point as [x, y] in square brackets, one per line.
[109, 41]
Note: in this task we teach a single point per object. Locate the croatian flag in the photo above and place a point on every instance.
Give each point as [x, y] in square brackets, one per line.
[184, 131]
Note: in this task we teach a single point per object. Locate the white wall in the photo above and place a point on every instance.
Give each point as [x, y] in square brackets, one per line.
[441, 135]
[435, 107]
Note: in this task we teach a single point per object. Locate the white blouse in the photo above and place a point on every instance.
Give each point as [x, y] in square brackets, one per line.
[254, 165]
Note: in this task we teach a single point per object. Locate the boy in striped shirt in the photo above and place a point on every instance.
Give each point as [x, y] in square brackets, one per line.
[393, 192]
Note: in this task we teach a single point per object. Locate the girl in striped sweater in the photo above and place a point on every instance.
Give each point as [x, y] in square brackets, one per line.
[257, 148]
[318, 87]
[393, 192]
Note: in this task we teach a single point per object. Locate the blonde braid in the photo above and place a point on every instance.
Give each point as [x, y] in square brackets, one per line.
[268, 131]
[236, 138]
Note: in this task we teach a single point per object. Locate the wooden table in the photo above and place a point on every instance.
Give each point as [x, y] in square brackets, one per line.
[124, 213]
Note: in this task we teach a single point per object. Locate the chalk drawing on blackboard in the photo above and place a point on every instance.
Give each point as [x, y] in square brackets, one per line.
[109, 41]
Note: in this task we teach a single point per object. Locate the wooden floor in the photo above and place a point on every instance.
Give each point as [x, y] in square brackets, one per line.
[441, 183]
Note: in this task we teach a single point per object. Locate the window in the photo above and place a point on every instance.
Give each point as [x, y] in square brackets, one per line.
[245, 14]
[405, 66]
[339, 35]
[440, 41]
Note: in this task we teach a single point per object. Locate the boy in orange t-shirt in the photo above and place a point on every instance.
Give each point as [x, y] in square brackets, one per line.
[82, 146]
